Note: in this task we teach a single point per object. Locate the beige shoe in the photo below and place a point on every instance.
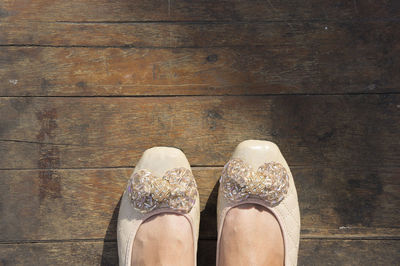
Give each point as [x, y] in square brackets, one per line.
[257, 173]
[162, 182]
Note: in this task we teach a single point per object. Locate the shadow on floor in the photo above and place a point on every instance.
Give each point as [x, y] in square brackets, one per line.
[208, 230]
[109, 255]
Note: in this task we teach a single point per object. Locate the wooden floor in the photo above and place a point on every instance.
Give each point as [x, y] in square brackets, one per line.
[86, 86]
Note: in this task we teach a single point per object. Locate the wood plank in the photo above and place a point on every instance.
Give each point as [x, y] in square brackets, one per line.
[312, 252]
[349, 252]
[60, 253]
[321, 69]
[83, 204]
[191, 34]
[328, 252]
[325, 131]
[180, 10]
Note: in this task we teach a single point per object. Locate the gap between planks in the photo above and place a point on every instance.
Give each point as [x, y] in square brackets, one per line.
[208, 95]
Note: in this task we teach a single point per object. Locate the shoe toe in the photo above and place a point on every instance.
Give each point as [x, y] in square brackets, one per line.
[158, 160]
[257, 152]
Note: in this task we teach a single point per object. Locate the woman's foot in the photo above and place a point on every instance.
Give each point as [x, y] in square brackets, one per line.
[164, 239]
[251, 235]
[158, 220]
[258, 211]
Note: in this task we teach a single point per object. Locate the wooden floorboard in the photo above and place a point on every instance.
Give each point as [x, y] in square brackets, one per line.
[314, 131]
[84, 204]
[105, 71]
[312, 252]
[360, 35]
[88, 85]
[180, 10]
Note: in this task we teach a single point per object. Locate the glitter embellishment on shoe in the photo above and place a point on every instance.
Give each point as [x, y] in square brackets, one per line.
[239, 181]
[176, 190]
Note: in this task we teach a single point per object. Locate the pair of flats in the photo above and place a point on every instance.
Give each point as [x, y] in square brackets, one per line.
[162, 182]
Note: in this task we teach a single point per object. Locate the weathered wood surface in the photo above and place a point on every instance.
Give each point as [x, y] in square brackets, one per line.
[353, 35]
[312, 252]
[351, 132]
[65, 160]
[349, 252]
[180, 10]
[83, 204]
[342, 67]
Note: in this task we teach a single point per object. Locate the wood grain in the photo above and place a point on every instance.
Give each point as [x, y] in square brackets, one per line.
[353, 35]
[319, 78]
[59, 253]
[349, 252]
[313, 69]
[312, 252]
[180, 10]
[328, 252]
[83, 204]
[315, 131]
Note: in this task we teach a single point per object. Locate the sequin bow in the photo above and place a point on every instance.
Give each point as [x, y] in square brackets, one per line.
[176, 190]
[239, 181]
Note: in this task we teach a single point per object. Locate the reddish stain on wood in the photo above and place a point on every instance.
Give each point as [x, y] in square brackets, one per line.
[49, 159]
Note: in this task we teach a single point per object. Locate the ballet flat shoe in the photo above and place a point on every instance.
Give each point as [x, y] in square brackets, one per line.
[162, 182]
[257, 173]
